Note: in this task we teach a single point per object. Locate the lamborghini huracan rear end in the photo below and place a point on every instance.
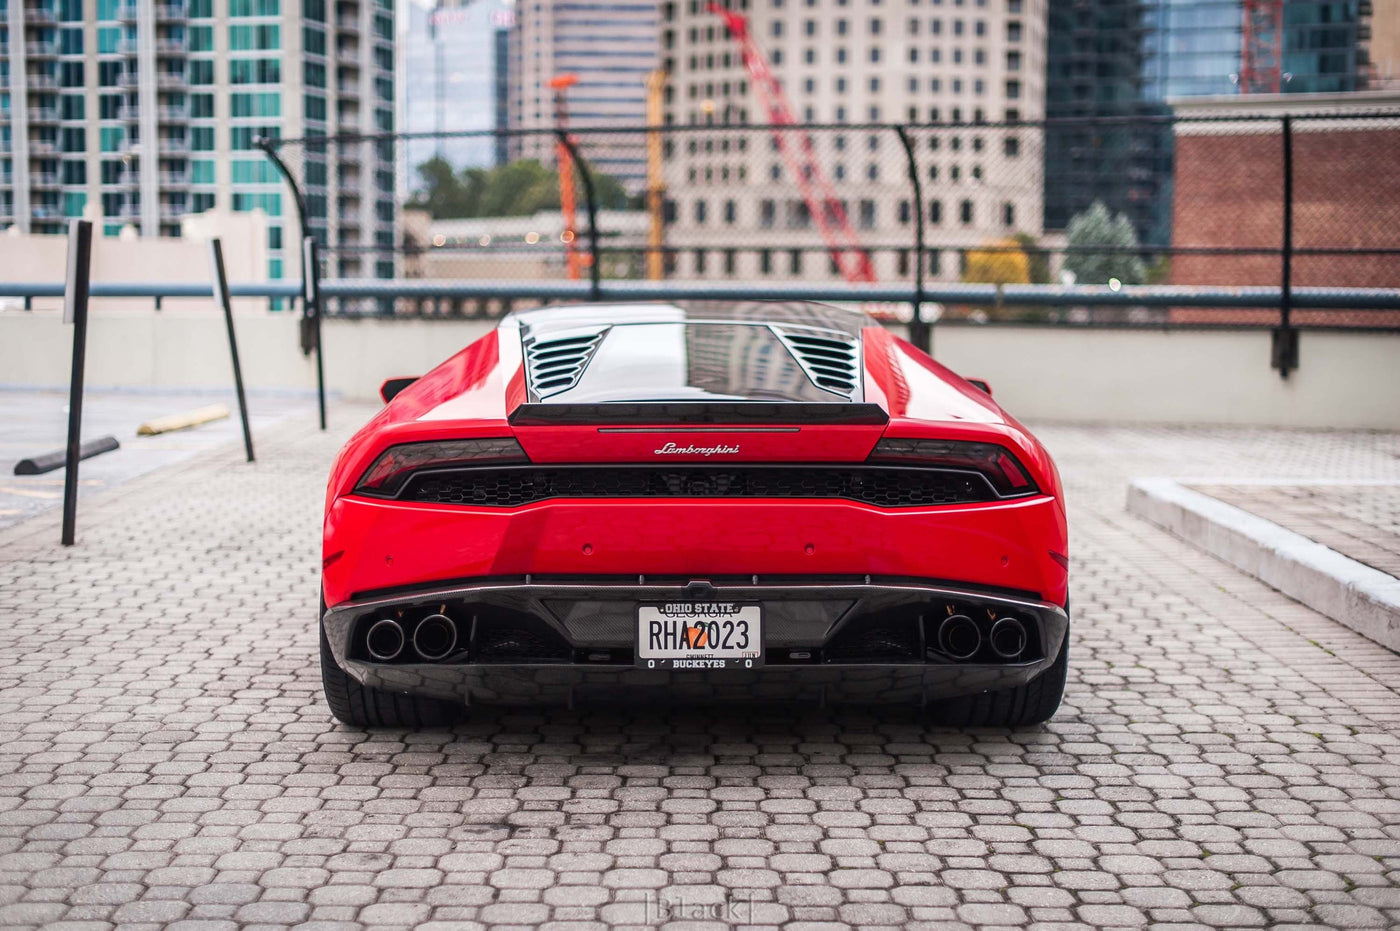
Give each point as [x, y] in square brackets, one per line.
[687, 503]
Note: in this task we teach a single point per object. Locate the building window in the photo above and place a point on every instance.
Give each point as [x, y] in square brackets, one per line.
[765, 261]
[699, 213]
[965, 212]
[699, 261]
[767, 214]
[1008, 214]
[1013, 31]
[935, 212]
[904, 213]
[730, 211]
[1013, 61]
[1012, 146]
[867, 214]
[795, 262]
[729, 261]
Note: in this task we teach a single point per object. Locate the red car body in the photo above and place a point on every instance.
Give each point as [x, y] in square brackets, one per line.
[592, 512]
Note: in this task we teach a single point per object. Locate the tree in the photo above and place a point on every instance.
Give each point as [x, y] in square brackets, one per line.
[1038, 258]
[1097, 226]
[515, 189]
[1002, 261]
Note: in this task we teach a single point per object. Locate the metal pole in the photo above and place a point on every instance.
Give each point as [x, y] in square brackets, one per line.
[656, 179]
[311, 298]
[75, 311]
[216, 256]
[1285, 341]
[595, 268]
[920, 333]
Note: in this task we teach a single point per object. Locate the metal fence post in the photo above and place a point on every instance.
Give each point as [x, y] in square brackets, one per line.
[75, 311]
[311, 300]
[1285, 337]
[267, 146]
[595, 268]
[216, 257]
[920, 333]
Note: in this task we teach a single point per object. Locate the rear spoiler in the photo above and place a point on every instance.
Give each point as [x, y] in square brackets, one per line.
[665, 413]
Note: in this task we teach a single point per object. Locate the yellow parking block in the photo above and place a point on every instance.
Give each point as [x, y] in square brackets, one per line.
[183, 421]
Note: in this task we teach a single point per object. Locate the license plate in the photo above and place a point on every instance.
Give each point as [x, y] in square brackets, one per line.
[699, 635]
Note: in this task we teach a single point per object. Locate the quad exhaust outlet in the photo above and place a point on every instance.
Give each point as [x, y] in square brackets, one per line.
[959, 637]
[1008, 638]
[385, 640]
[435, 637]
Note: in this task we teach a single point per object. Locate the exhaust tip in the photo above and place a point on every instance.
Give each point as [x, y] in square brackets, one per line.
[959, 637]
[384, 639]
[435, 637]
[1008, 638]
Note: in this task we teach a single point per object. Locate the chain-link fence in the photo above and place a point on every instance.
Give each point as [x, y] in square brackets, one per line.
[1308, 200]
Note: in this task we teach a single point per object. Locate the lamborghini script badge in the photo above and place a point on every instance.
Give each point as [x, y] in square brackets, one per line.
[671, 449]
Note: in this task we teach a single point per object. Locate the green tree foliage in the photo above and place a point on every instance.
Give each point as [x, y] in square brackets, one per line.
[1039, 259]
[1097, 226]
[511, 190]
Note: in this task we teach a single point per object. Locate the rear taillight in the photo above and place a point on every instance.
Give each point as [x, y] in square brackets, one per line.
[394, 466]
[1007, 476]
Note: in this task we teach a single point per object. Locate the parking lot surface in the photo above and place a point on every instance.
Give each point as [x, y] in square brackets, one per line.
[33, 422]
[1224, 757]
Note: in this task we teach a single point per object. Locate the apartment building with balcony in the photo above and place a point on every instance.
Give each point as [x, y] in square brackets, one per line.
[140, 112]
[952, 71]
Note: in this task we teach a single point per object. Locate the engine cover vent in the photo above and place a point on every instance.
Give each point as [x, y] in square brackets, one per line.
[555, 364]
[830, 359]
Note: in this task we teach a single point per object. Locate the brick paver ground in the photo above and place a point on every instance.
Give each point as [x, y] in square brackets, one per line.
[1358, 521]
[1225, 757]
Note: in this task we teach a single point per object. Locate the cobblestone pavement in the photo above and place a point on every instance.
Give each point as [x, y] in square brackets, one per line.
[1358, 521]
[1224, 757]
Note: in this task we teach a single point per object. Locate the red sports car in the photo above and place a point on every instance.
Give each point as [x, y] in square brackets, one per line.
[771, 501]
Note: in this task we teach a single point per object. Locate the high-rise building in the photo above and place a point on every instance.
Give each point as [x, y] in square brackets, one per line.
[139, 112]
[950, 67]
[451, 70]
[1116, 59]
[611, 48]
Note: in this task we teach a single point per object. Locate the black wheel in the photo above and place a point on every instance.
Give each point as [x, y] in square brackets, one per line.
[362, 706]
[1021, 706]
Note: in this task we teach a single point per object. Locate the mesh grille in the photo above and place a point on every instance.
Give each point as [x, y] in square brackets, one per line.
[880, 486]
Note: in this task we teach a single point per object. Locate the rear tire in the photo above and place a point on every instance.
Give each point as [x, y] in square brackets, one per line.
[1021, 706]
[362, 706]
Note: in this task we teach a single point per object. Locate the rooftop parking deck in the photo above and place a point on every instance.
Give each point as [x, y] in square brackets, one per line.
[1224, 756]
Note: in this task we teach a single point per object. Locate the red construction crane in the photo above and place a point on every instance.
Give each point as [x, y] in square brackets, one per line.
[1261, 47]
[573, 260]
[822, 203]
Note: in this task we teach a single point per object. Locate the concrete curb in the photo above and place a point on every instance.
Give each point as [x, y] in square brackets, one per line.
[1364, 599]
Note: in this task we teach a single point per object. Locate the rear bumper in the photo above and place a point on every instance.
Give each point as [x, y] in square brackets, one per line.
[832, 639]
[372, 545]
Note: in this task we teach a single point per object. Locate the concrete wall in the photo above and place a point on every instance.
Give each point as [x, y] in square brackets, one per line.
[1139, 376]
[127, 258]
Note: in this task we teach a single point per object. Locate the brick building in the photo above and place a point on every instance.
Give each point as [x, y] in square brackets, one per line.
[1228, 192]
